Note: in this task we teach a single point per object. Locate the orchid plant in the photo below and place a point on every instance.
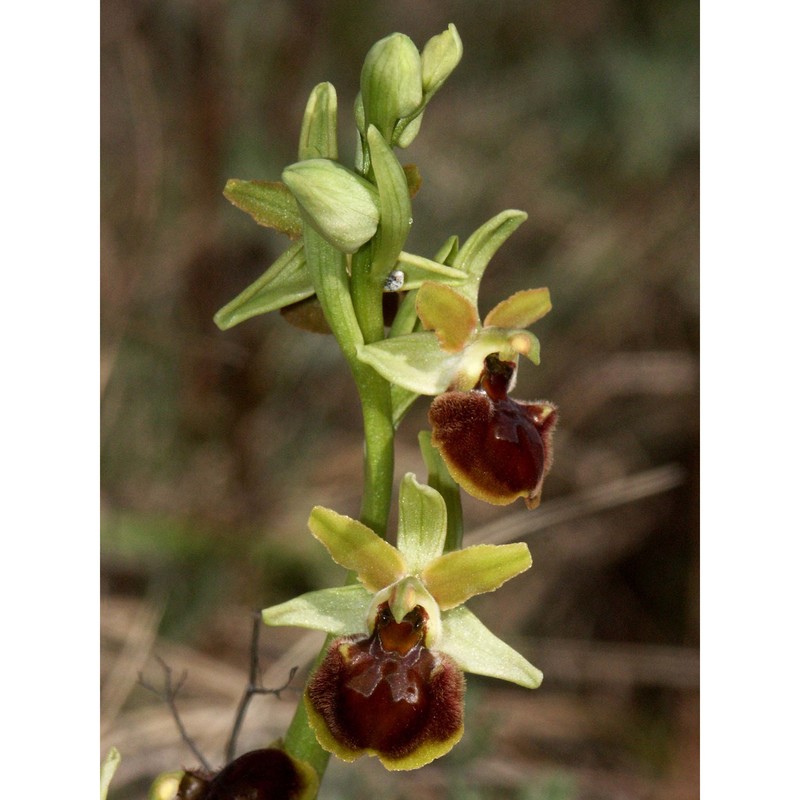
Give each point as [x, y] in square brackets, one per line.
[389, 681]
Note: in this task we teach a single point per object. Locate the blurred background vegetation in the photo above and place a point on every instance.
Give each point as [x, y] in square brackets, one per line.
[216, 445]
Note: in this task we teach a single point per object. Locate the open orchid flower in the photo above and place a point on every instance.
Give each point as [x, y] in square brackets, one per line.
[450, 353]
[392, 684]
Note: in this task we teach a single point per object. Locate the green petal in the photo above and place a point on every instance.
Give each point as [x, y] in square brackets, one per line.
[339, 611]
[286, 281]
[476, 649]
[422, 524]
[449, 314]
[520, 310]
[474, 256]
[455, 577]
[269, 203]
[357, 547]
[415, 362]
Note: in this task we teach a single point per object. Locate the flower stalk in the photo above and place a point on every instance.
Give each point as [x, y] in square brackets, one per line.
[389, 681]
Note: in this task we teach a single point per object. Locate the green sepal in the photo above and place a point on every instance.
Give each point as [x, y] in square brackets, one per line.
[394, 201]
[422, 523]
[520, 310]
[285, 282]
[339, 611]
[269, 203]
[391, 82]
[476, 649]
[107, 770]
[339, 204]
[455, 577]
[318, 132]
[415, 362]
[356, 547]
[448, 314]
[478, 250]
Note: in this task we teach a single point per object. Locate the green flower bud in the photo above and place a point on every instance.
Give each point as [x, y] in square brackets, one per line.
[391, 82]
[440, 56]
[340, 205]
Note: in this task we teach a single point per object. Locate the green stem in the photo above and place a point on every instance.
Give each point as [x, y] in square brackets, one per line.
[328, 270]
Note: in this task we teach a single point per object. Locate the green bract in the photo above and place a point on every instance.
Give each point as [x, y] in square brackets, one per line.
[416, 572]
[339, 204]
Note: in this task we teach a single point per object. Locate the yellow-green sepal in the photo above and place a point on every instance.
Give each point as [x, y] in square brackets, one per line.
[476, 649]
[339, 611]
[422, 523]
[415, 361]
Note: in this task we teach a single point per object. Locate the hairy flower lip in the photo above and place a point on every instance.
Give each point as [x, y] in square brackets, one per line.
[498, 449]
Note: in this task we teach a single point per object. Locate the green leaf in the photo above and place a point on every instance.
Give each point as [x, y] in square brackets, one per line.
[520, 310]
[415, 362]
[478, 250]
[476, 649]
[356, 547]
[318, 134]
[422, 523]
[455, 577]
[107, 770]
[449, 314]
[339, 611]
[285, 282]
[339, 204]
[269, 203]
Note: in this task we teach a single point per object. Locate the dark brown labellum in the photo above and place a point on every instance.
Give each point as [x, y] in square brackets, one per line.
[268, 774]
[496, 448]
[388, 693]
